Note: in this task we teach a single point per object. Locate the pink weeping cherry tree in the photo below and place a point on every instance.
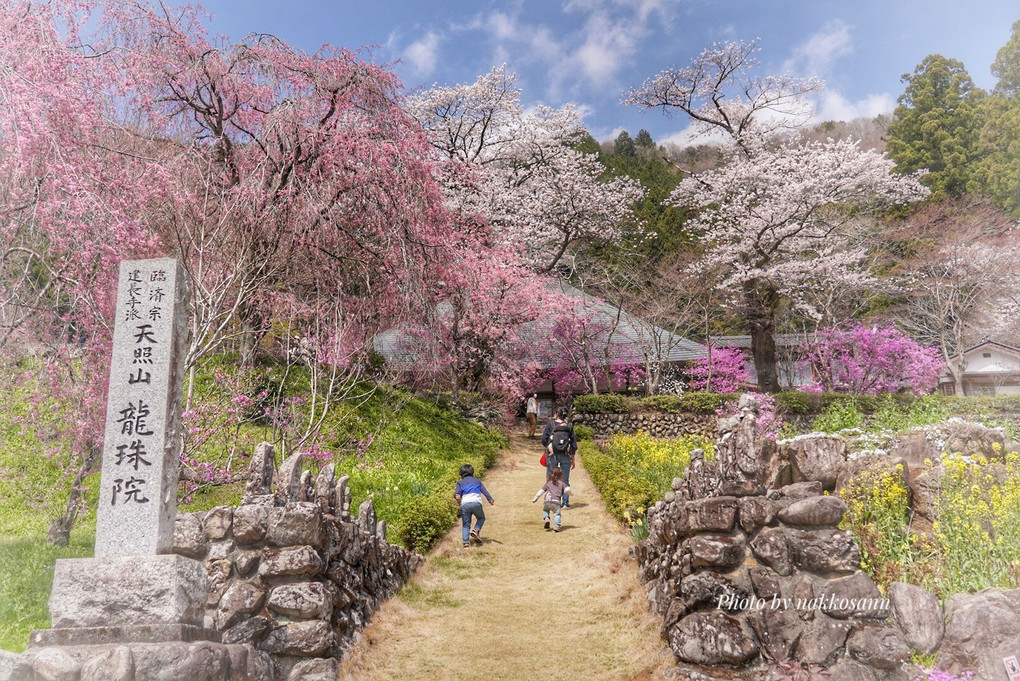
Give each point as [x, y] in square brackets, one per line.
[299, 195]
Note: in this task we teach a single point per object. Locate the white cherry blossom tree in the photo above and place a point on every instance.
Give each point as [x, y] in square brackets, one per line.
[519, 169]
[775, 215]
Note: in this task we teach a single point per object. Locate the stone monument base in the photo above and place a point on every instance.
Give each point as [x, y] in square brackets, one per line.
[165, 661]
[128, 591]
[139, 633]
[123, 618]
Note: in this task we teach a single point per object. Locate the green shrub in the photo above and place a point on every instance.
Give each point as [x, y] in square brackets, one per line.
[671, 404]
[610, 403]
[984, 404]
[425, 519]
[619, 489]
[896, 414]
[705, 403]
[797, 402]
[632, 472]
[583, 432]
[839, 415]
[987, 410]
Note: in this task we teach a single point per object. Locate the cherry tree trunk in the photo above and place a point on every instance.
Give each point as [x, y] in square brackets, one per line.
[59, 532]
[761, 317]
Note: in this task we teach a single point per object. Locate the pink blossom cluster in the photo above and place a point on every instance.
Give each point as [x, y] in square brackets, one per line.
[870, 360]
[722, 370]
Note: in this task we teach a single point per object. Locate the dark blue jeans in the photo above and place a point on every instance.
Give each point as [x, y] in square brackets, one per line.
[466, 511]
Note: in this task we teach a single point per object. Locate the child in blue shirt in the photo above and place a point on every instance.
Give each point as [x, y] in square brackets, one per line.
[469, 493]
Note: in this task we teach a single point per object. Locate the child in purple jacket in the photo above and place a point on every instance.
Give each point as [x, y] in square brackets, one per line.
[555, 491]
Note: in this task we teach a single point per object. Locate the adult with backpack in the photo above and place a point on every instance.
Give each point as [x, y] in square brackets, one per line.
[560, 446]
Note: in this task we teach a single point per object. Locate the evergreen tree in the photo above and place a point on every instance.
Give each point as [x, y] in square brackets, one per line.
[999, 169]
[1006, 66]
[644, 140]
[624, 145]
[998, 172]
[936, 126]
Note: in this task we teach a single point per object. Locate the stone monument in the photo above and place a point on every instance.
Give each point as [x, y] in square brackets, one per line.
[135, 589]
[137, 497]
[136, 610]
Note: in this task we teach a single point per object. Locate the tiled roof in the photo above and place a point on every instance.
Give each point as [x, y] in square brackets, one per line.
[988, 341]
[402, 351]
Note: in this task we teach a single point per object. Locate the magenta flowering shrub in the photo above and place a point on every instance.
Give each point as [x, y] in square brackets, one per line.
[868, 361]
[724, 370]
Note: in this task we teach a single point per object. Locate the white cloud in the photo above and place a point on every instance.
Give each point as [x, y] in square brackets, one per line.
[606, 41]
[816, 56]
[422, 54]
[600, 55]
[833, 106]
[514, 42]
[587, 44]
[692, 135]
[503, 27]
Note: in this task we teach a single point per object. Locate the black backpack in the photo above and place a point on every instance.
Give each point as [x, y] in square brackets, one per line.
[560, 439]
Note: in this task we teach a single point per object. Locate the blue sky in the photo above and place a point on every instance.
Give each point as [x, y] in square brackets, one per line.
[589, 52]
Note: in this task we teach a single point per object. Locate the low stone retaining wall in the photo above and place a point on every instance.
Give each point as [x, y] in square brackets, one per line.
[291, 572]
[289, 577]
[656, 424]
[754, 580]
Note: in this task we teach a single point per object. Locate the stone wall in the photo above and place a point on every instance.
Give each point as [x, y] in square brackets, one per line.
[291, 571]
[664, 424]
[656, 424]
[290, 577]
[753, 578]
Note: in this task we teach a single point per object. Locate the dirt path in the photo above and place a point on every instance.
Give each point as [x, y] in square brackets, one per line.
[527, 603]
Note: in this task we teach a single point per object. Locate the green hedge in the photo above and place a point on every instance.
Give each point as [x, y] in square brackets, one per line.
[692, 402]
[603, 404]
[981, 405]
[705, 403]
[792, 402]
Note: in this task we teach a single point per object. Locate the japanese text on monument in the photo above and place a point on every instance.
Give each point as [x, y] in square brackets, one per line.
[139, 456]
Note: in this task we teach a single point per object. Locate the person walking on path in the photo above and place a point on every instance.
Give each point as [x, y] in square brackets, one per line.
[469, 493]
[554, 489]
[532, 413]
[561, 446]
